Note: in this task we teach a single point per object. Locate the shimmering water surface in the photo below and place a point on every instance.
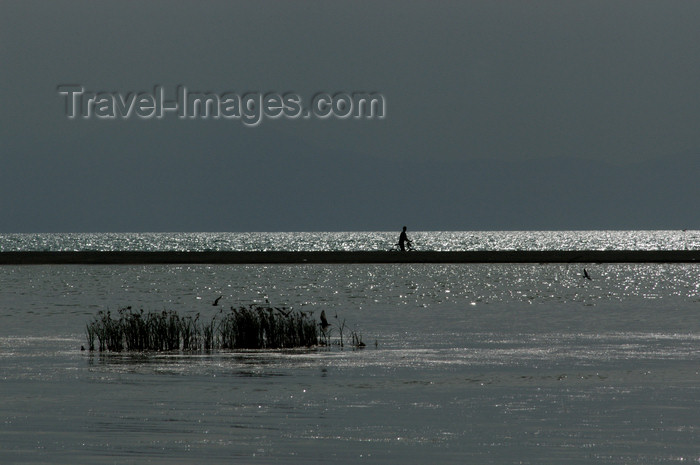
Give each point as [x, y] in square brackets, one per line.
[374, 240]
[473, 363]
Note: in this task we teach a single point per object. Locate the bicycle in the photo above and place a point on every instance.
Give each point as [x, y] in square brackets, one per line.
[409, 247]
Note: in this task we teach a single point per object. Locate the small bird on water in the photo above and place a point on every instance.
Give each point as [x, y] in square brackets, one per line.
[586, 275]
[216, 302]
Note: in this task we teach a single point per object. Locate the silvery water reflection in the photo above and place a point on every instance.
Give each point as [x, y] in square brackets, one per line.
[473, 364]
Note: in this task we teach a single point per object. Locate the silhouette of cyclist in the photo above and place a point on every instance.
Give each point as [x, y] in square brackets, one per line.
[403, 239]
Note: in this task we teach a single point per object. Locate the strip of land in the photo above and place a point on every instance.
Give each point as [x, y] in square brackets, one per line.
[280, 257]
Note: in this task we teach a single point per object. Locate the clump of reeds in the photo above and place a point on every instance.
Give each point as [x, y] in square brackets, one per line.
[266, 328]
[252, 327]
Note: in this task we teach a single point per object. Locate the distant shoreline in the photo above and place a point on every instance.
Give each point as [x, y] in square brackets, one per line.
[300, 257]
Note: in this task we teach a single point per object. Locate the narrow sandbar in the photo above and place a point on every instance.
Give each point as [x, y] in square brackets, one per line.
[300, 257]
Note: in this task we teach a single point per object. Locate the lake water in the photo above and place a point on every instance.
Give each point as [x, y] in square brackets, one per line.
[472, 363]
[363, 240]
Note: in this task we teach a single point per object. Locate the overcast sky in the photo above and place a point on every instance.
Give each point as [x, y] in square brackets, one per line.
[499, 115]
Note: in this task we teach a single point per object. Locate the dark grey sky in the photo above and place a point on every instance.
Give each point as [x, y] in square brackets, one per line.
[500, 115]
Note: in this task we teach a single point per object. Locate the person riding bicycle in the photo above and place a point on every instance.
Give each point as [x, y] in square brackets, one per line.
[403, 239]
